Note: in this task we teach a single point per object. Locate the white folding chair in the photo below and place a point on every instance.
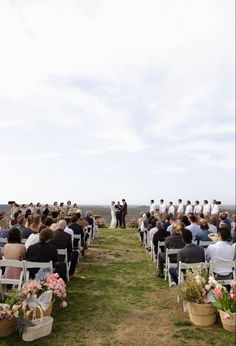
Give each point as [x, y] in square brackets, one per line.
[31, 265]
[159, 246]
[23, 241]
[88, 229]
[153, 255]
[63, 252]
[205, 243]
[3, 240]
[78, 237]
[169, 264]
[15, 282]
[186, 266]
[225, 265]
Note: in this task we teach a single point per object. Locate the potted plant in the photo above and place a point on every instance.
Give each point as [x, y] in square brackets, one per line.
[196, 292]
[225, 302]
[9, 312]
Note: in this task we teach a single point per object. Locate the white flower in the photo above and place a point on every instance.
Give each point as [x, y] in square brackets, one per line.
[207, 287]
[16, 314]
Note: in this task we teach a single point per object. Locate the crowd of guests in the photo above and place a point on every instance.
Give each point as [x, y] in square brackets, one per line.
[36, 232]
[184, 227]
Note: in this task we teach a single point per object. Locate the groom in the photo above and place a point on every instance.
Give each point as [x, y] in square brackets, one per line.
[124, 212]
[118, 211]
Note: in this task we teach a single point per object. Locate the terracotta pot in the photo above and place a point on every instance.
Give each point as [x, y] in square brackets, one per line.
[228, 320]
[202, 315]
[7, 327]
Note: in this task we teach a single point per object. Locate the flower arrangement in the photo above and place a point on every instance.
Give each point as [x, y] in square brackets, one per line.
[196, 287]
[225, 300]
[45, 280]
[8, 312]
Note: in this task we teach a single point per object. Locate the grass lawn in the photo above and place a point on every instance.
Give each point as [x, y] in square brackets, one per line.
[117, 300]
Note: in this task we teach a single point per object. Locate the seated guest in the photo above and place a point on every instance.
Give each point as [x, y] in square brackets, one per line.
[55, 215]
[69, 230]
[221, 251]
[45, 251]
[174, 241]
[194, 227]
[203, 235]
[13, 250]
[3, 229]
[34, 237]
[36, 223]
[224, 219]
[211, 223]
[172, 220]
[160, 235]
[25, 232]
[62, 240]
[77, 229]
[191, 253]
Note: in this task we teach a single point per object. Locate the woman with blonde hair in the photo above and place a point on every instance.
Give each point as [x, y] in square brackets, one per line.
[36, 224]
[174, 241]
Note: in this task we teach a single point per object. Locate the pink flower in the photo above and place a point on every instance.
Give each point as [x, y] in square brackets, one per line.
[218, 291]
[233, 295]
[226, 316]
[63, 304]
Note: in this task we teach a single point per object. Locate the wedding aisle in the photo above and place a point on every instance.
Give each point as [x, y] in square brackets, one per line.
[117, 300]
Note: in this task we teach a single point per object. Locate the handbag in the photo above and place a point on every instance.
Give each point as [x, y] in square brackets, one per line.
[41, 326]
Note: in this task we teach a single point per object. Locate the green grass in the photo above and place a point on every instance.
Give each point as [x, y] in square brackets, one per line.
[118, 300]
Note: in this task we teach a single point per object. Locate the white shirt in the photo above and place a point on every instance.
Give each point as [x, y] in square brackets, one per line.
[214, 209]
[189, 209]
[171, 210]
[220, 251]
[152, 232]
[163, 208]
[197, 209]
[212, 228]
[195, 229]
[153, 207]
[71, 233]
[33, 239]
[206, 209]
[169, 229]
[180, 208]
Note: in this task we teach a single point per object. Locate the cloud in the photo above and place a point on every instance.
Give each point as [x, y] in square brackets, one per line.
[168, 170]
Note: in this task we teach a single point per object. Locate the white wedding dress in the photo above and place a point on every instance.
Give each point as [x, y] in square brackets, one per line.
[113, 217]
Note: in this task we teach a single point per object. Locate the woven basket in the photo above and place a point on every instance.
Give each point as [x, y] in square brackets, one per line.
[202, 315]
[42, 327]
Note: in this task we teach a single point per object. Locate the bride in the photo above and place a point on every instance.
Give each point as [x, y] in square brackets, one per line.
[113, 215]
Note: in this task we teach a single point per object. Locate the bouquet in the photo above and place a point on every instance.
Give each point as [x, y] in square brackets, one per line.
[11, 308]
[197, 287]
[225, 300]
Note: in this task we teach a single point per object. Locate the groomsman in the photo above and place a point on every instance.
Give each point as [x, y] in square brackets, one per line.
[206, 208]
[188, 209]
[163, 210]
[124, 212]
[171, 210]
[197, 208]
[180, 208]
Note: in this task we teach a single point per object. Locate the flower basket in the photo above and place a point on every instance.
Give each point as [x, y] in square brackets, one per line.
[46, 312]
[7, 327]
[42, 327]
[202, 315]
[228, 320]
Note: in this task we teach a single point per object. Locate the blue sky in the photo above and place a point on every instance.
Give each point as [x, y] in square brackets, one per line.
[101, 100]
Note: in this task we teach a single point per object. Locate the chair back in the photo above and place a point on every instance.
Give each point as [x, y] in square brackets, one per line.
[205, 243]
[186, 266]
[229, 266]
[6, 281]
[63, 252]
[31, 265]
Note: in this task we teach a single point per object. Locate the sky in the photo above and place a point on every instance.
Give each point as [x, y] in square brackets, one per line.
[106, 99]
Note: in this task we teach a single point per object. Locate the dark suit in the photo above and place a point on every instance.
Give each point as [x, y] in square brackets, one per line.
[191, 253]
[62, 240]
[118, 208]
[42, 252]
[124, 212]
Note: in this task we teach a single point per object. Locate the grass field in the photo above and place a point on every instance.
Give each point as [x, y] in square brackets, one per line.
[117, 300]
